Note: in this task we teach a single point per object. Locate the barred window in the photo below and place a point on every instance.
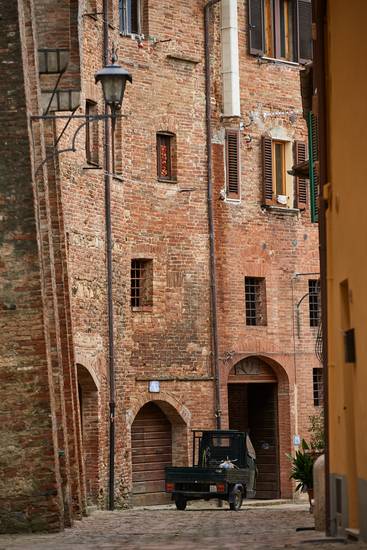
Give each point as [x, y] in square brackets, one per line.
[255, 294]
[318, 387]
[141, 283]
[314, 302]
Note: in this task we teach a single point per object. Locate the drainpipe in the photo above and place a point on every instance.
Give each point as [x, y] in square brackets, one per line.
[213, 278]
[108, 224]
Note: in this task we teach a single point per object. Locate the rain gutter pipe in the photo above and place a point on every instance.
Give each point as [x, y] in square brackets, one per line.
[108, 224]
[213, 278]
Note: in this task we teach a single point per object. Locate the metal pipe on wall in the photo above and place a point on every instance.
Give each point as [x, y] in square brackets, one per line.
[108, 224]
[213, 278]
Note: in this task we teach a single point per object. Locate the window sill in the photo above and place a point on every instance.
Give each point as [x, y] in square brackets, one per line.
[142, 309]
[91, 166]
[163, 180]
[274, 60]
[282, 210]
[228, 200]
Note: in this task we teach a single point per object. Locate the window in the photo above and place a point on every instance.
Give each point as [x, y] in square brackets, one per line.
[166, 156]
[314, 302]
[141, 283]
[281, 29]
[233, 164]
[130, 16]
[279, 175]
[279, 188]
[255, 295]
[91, 134]
[318, 387]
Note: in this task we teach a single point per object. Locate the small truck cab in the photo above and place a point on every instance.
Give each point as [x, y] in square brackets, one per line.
[224, 467]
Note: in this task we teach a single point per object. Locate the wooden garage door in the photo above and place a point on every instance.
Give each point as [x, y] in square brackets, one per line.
[151, 451]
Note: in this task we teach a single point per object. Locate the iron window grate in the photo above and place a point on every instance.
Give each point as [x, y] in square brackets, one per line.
[314, 302]
[255, 296]
[318, 387]
[141, 283]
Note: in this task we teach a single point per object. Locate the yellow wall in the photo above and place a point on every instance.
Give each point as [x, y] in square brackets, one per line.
[347, 239]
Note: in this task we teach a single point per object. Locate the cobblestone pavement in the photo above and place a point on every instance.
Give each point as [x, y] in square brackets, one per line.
[197, 528]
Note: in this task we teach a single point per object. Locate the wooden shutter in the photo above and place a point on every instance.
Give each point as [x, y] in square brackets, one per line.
[256, 27]
[233, 164]
[304, 10]
[300, 183]
[313, 134]
[268, 195]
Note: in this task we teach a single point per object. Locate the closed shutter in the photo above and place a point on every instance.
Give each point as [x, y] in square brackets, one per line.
[304, 9]
[301, 183]
[233, 163]
[256, 27]
[268, 196]
[313, 134]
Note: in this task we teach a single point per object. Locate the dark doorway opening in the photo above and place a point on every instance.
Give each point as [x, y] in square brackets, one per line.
[254, 406]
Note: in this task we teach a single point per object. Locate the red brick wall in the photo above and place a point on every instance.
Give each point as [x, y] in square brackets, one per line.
[167, 223]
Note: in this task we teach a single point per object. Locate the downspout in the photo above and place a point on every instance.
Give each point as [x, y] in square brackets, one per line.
[111, 354]
[213, 278]
[319, 17]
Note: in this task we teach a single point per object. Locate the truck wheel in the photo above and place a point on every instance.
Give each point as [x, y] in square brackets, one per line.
[181, 503]
[237, 501]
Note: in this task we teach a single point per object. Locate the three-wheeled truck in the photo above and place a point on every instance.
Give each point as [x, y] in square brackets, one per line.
[224, 467]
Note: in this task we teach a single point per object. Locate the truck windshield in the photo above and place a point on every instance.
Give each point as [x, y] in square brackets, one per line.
[221, 442]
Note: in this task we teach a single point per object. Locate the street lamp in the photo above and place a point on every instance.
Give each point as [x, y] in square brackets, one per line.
[113, 79]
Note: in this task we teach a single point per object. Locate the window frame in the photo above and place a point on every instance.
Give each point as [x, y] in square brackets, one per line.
[141, 284]
[170, 141]
[255, 309]
[264, 18]
[91, 134]
[314, 302]
[318, 386]
[124, 19]
[274, 143]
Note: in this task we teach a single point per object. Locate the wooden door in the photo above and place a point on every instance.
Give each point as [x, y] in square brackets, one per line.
[263, 422]
[254, 407]
[151, 436]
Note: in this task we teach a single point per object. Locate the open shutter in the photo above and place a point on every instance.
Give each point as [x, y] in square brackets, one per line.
[233, 163]
[256, 27]
[268, 196]
[300, 183]
[313, 136]
[304, 9]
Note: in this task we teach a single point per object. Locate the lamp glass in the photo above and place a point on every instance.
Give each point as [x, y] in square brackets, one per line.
[113, 89]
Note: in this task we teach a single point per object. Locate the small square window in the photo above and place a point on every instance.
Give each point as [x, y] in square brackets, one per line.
[314, 302]
[255, 295]
[141, 283]
[318, 387]
[166, 156]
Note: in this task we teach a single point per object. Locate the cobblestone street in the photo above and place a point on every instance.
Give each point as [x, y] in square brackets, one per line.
[199, 527]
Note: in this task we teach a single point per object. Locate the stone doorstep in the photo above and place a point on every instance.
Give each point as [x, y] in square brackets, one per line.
[352, 534]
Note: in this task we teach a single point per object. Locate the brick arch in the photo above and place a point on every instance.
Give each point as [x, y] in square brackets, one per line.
[175, 411]
[89, 403]
[284, 409]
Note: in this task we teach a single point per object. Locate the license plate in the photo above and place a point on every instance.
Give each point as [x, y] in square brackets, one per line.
[212, 488]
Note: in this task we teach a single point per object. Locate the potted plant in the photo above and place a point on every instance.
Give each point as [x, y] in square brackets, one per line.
[302, 470]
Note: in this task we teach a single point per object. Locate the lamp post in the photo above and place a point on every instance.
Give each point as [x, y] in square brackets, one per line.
[113, 79]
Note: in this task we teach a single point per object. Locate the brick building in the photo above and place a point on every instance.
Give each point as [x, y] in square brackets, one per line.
[214, 257]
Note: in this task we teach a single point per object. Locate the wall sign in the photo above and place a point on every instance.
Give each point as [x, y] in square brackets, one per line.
[154, 386]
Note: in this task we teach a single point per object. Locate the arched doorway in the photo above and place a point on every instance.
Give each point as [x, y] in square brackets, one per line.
[253, 406]
[151, 438]
[88, 402]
